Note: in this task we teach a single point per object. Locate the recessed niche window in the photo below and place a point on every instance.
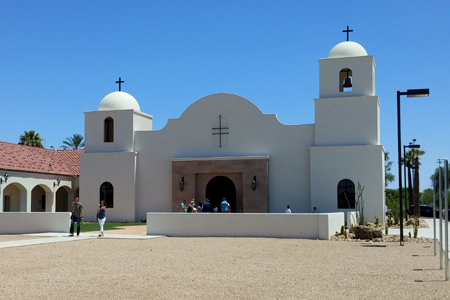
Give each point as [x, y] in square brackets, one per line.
[109, 130]
[345, 80]
[107, 194]
[346, 194]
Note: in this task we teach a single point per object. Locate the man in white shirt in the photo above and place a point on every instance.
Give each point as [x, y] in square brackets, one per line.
[288, 209]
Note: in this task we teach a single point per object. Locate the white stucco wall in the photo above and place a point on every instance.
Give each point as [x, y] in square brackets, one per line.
[251, 133]
[125, 122]
[363, 78]
[347, 121]
[306, 226]
[21, 222]
[119, 170]
[364, 164]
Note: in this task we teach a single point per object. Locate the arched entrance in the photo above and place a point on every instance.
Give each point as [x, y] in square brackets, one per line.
[62, 200]
[220, 187]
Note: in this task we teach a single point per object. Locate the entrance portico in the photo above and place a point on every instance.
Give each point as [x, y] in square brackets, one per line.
[218, 177]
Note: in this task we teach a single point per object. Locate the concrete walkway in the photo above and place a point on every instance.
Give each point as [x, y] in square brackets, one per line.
[54, 237]
[425, 232]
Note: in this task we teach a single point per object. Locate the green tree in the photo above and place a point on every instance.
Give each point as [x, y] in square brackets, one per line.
[73, 142]
[436, 183]
[411, 161]
[388, 176]
[31, 138]
[427, 197]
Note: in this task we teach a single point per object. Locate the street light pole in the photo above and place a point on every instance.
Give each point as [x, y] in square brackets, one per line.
[408, 93]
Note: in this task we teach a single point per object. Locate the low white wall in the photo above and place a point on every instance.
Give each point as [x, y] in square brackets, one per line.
[305, 226]
[34, 222]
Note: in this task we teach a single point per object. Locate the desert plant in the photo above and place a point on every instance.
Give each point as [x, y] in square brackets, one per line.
[370, 235]
[345, 234]
[377, 221]
[416, 231]
[386, 230]
[409, 234]
[359, 203]
[342, 230]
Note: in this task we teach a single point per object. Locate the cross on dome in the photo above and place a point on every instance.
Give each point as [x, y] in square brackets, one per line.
[348, 31]
[121, 81]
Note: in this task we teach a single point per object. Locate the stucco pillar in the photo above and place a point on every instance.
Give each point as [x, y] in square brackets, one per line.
[50, 201]
[25, 200]
[1, 198]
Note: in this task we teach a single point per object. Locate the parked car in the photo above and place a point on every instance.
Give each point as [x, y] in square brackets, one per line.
[425, 210]
[443, 216]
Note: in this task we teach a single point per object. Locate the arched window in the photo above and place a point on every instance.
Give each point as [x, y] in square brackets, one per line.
[107, 194]
[109, 130]
[345, 80]
[346, 194]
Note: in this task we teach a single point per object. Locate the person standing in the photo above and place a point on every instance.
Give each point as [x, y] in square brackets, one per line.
[101, 212]
[288, 209]
[77, 215]
[183, 206]
[206, 206]
[224, 205]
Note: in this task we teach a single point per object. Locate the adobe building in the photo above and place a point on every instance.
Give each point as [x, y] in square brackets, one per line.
[224, 146]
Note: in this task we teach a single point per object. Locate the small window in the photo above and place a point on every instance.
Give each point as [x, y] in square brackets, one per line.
[109, 130]
[346, 194]
[345, 80]
[107, 194]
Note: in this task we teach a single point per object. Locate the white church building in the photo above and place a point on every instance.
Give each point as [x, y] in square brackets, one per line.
[223, 145]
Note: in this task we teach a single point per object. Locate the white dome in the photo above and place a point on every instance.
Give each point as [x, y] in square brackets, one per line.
[347, 49]
[119, 101]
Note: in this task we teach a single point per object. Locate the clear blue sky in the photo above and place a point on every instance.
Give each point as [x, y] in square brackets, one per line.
[58, 59]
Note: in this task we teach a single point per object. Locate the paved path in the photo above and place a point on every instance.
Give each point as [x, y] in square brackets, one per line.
[425, 232]
[53, 237]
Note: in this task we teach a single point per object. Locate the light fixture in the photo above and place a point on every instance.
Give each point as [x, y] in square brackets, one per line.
[409, 94]
[6, 178]
[57, 183]
[182, 184]
[254, 183]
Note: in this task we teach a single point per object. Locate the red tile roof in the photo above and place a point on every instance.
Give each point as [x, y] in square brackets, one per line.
[15, 157]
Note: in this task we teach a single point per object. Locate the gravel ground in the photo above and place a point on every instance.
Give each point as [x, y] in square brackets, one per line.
[221, 268]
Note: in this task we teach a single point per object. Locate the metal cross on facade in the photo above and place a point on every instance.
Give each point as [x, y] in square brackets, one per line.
[120, 83]
[220, 131]
[348, 31]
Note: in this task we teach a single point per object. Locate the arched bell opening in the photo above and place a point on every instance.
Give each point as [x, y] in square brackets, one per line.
[346, 80]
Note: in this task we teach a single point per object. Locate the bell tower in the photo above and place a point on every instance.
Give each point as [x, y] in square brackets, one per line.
[347, 110]
[347, 148]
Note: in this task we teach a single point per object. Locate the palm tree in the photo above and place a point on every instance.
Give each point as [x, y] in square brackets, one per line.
[31, 138]
[412, 162]
[74, 142]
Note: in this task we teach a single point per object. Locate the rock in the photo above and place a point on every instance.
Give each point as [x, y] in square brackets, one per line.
[371, 224]
[411, 221]
[362, 232]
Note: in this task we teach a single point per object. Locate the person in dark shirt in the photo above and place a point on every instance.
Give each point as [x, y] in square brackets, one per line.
[207, 206]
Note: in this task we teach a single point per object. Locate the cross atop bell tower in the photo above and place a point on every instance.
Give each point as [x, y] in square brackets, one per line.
[348, 31]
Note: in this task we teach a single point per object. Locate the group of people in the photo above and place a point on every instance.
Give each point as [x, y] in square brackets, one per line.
[205, 207]
[288, 210]
[77, 216]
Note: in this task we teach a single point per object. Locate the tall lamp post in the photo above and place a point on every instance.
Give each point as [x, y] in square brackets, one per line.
[410, 146]
[409, 94]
